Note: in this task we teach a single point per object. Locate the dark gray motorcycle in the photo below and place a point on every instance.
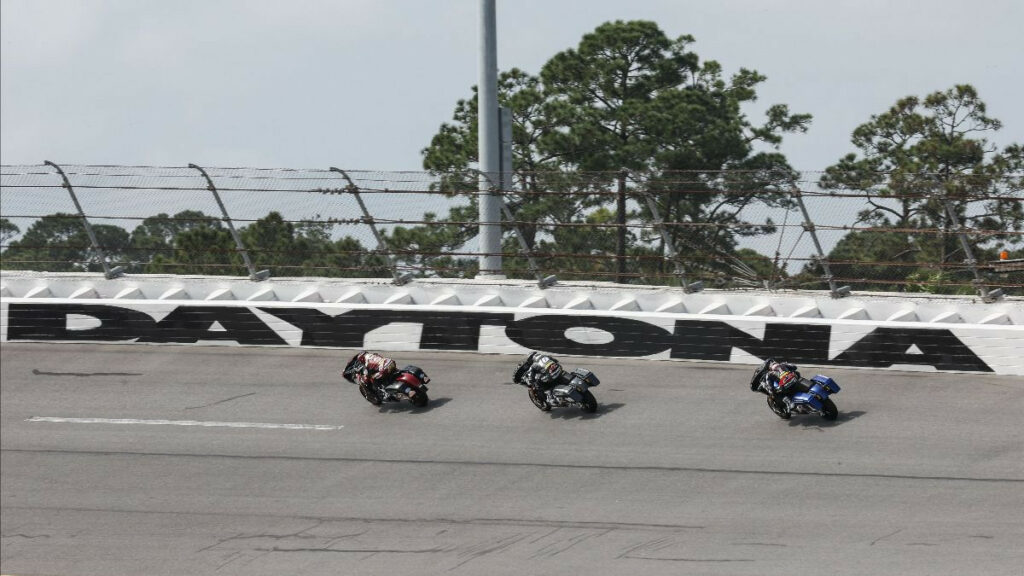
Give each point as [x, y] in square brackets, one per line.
[549, 385]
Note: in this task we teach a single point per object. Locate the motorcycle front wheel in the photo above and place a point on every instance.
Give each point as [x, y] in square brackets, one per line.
[589, 402]
[371, 395]
[829, 410]
[538, 399]
[779, 409]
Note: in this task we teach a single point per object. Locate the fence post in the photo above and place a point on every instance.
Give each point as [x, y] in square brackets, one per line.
[253, 274]
[382, 245]
[979, 282]
[620, 231]
[542, 281]
[670, 247]
[108, 272]
[809, 227]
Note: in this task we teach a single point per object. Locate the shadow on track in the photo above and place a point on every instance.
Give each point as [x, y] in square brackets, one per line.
[577, 414]
[407, 407]
[818, 422]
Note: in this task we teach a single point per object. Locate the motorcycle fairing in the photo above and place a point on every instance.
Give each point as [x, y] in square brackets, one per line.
[810, 399]
[821, 388]
[567, 390]
[829, 384]
[587, 376]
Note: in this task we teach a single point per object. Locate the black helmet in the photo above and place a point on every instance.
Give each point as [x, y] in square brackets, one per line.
[352, 368]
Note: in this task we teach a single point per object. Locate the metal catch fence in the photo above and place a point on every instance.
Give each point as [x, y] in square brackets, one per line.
[731, 229]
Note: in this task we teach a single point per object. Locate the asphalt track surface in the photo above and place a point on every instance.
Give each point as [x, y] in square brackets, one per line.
[683, 470]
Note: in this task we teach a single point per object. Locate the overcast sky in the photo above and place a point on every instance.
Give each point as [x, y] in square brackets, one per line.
[364, 84]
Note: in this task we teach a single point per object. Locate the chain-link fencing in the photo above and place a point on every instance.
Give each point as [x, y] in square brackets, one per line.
[732, 229]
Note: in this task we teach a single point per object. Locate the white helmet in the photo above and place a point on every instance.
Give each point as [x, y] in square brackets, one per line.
[547, 369]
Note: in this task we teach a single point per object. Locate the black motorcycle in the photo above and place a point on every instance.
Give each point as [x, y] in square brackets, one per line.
[409, 383]
[571, 389]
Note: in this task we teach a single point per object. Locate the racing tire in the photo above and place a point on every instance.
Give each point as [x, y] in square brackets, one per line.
[780, 411]
[370, 395]
[420, 399]
[589, 402]
[828, 410]
[538, 399]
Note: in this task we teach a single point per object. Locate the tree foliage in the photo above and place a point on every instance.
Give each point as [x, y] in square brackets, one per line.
[59, 243]
[629, 97]
[8, 230]
[191, 242]
[927, 169]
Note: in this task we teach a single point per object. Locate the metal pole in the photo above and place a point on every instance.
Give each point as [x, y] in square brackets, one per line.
[381, 243]
[108, 272]
[488, 144]
[524, 247]
[671, 248]
[505, 179]
[253, 274]
[979, 282]
[809, 226]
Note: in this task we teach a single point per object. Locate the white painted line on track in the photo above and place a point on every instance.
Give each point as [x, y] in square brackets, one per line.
[185, 423]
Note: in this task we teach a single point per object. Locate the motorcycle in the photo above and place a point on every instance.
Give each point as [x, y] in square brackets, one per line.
[575, 392]
[813, 397]
[409, 383]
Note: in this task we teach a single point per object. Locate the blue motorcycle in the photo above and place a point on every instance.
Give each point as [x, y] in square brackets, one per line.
[800, 396]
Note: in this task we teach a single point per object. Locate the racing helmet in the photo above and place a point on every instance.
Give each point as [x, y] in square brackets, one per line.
[548, 369]
[786, 379]
[354, 366]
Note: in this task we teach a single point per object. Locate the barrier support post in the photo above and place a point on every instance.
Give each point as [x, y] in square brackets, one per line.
[670, 247]
[382, 245]
[108, 272]
[972, 263]
[253, 274]
[836, 292]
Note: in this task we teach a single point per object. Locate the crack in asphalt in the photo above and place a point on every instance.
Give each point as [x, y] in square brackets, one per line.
[220, 401]
[357, 550]
[721, 560]
[523, 522]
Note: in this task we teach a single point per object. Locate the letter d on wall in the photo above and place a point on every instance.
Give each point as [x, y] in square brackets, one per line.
[50, 322]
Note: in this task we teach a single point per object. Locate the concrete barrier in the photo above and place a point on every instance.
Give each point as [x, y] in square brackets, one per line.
[510, 317]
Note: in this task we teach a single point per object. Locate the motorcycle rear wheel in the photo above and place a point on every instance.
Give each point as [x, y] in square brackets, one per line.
[828, 410]
[538, 399]
[420, 399]
[589, 402]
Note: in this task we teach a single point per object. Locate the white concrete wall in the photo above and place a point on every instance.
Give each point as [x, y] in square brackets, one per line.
[510, 317]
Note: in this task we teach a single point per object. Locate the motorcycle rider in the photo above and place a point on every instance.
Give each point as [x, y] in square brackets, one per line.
[372, 371]
[779, 380]
[541, 371]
